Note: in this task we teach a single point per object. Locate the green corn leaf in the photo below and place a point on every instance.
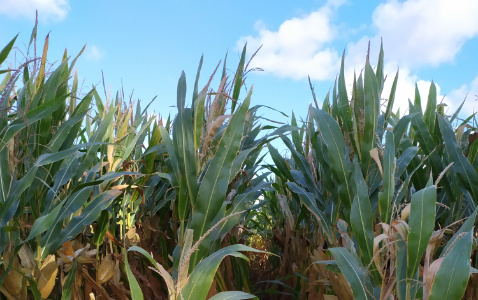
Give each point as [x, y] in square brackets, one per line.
[45, 222]
[309, 201]
[63, 135]
[65, 171]
[173, 161]
[71, 204]
[330, 131]
[195, 91]
[335, 105]
[238, 163]
[235, 295]
[304, 168]
[202, 276]
[428, 146]
[280, 163]
[183, 139]
[69, 281]
[417, 104]
[380, 76]
[160, 269]
[404, 160]
[154, 140]
[134, 142]
[326, 103]
[87, 216]
[354, 274]
[6, 50]
[361, 216]
[34, 115]
[99, 102]
[344, 107]
[455, 115]
[466, 227]
[452, 277]
[360, 93]
[5, 174]
[296, 136]
[101, 227]
[467, 175]
[401, 262]
[421, 223]
[371, 112]
[213, 189]
[9, 207]
[239, 204]
[181, 95]
[313, 94]
[100, 135]
[391, 100]
[429, 115]
[136, 293]
[238, 79]
[199, 110]
[388, 188]
[73, 62]
[49, 158]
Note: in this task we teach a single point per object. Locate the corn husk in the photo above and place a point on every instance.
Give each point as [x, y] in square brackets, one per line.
[106, 269]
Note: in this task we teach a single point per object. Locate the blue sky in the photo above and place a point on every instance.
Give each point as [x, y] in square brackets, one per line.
[143, 46]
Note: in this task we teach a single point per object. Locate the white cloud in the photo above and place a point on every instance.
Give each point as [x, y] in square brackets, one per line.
[300, 47]
[406, 88]
[47, 9]
[93, 53]
[425, 32]
[416, 33]
[468, 92]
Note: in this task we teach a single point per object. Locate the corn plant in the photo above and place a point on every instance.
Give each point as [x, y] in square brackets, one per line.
[212, 163]
[359, 166]
[60, 171]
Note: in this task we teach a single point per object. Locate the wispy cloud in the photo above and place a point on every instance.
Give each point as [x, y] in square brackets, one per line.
[93, 53]
[55, 10]
[299, 47]
[426, 32]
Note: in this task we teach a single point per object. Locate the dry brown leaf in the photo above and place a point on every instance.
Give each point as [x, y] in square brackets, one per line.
[132, 238]
[432, 272]
[405, 212]
[375, 156]
[47, 276]
[27, 258]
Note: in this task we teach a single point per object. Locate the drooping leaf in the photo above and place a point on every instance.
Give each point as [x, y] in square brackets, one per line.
[309, 201]
[201, 278]
[357, 278]
[462, 167]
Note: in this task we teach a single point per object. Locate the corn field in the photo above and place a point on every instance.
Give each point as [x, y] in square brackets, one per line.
[101, 200]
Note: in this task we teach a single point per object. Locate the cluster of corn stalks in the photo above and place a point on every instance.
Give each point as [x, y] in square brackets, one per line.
[384, 204]
[100, 200]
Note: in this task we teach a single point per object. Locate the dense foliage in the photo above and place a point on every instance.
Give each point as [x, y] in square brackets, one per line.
[99, 199]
